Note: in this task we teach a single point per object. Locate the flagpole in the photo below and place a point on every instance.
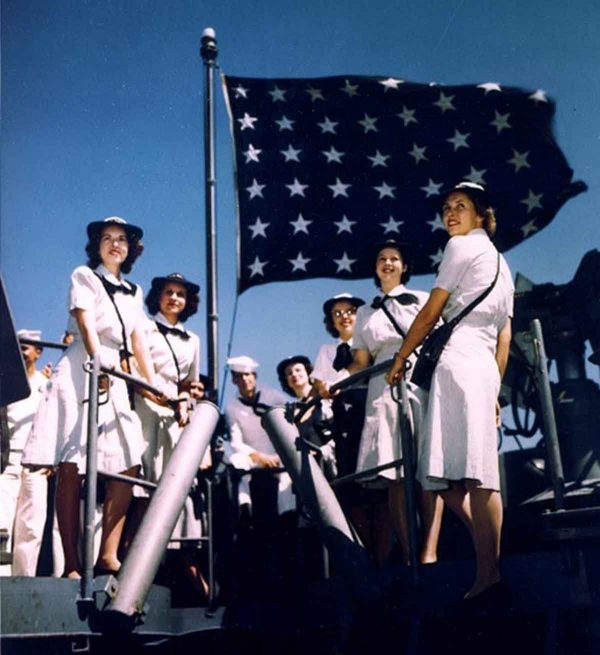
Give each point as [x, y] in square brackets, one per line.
[209, 52]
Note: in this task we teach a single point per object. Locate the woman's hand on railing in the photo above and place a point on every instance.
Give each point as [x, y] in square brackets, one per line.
[397, 371]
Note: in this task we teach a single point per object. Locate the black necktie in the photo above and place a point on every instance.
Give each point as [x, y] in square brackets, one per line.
[117, 288]
[343, 356]
[165, 329]
[403, 299]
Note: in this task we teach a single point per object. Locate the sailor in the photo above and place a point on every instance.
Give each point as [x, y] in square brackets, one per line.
[249, 446]
[15, 477]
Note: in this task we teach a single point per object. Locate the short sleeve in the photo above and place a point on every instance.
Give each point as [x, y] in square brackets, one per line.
[195, 368]
[141, 320]
[83, 291]
[455, 262]
[358, 342]
[321, 364]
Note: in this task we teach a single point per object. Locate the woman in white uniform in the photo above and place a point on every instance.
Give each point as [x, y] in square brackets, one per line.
[110, 320]
[458, 452]
[378, 333]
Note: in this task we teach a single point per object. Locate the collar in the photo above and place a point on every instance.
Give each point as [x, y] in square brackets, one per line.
[477, 231]
[338, 341]
[113, 279]
[159, 318]
[396, 291]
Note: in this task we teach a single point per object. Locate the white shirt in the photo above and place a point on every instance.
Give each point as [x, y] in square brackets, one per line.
[323, 369]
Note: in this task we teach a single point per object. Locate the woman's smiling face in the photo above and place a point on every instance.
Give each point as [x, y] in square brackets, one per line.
[389, 267]
[114, 246]
[459, 214]
[173, 299]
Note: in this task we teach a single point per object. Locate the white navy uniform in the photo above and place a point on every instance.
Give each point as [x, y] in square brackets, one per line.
[374, 332]
[20, 418]
[59, 432]
[247, 436]
[323, 369]
[159, 425]
[459, 433]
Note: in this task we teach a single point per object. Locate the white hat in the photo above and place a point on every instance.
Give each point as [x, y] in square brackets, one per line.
[242, 364]
[30, 334]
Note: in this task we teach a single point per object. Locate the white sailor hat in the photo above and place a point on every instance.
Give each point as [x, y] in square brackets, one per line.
[30, 334]
[242, 364]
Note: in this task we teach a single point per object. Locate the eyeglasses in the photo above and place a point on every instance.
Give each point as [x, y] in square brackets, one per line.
[342, 313]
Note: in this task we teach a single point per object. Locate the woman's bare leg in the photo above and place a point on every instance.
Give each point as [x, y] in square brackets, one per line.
[457, 499]
[486, 508]
[432, 508]
[116, 503]
[67, 512]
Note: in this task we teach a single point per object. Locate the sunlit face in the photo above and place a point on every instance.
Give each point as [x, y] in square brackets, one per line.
[343, 317]
[30, 354]
[296, 376]
[246, 383]
[114, 246]
[459, 214]
[389, 266]
[173, 299]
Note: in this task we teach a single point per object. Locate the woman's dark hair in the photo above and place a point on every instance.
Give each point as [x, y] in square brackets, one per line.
[192, 300]
[92, 249]
[290, 361]
[328, 320]
[402, 251]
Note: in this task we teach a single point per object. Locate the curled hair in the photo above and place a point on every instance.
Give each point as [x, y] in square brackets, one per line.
[405, 277]
[483, 209]
[92, 249]
[283, 378]
[192, 300]
[329, 326]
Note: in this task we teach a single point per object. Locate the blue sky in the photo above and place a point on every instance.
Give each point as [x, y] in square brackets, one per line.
[102, 115]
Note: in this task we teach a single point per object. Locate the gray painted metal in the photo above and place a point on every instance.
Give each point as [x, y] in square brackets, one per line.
[347, 553]
[549, 421]
[142, 561]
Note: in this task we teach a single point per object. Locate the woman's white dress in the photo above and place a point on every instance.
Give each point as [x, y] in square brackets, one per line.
[459, 432]
[59, 432]
[160, 427]
[374, 332]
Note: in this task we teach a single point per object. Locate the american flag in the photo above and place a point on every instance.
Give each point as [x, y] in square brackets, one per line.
[328, 167]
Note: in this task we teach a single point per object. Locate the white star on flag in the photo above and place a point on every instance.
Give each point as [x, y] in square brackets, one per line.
[255, 189]
[259, 229]
[476, 176]
[418, 153]
[285, 124]
[344, 264]
[327, 126]
[519, 160]
[315, 94]
[339, 188]
[437, 223]
[529, 227]
[391, 226]
[333, 155]
[252, 154]
[240, 92]
[500, 121]
[297, 189]
[345, 225]
[368, 124]
[378, 159]
[459, 140]
[277, 94]
[539, 96]
[391, 83]
[432, 188]
[300, 225]
[532, 201]
[291, 154]
[489, 86]
[436, 258]
[247, 121]
[299, 263]
[444, 102]
[407, 115]
[256, 268]
[385, 190]
[350, 89]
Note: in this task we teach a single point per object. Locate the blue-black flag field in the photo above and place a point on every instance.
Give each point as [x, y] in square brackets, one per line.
[327, 167]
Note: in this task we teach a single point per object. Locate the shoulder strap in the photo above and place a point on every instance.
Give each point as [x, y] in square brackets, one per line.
[164, 333]
[393, 321]
[477, 300]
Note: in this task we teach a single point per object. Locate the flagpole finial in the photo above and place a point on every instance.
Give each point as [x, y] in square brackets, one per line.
[208, 44]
